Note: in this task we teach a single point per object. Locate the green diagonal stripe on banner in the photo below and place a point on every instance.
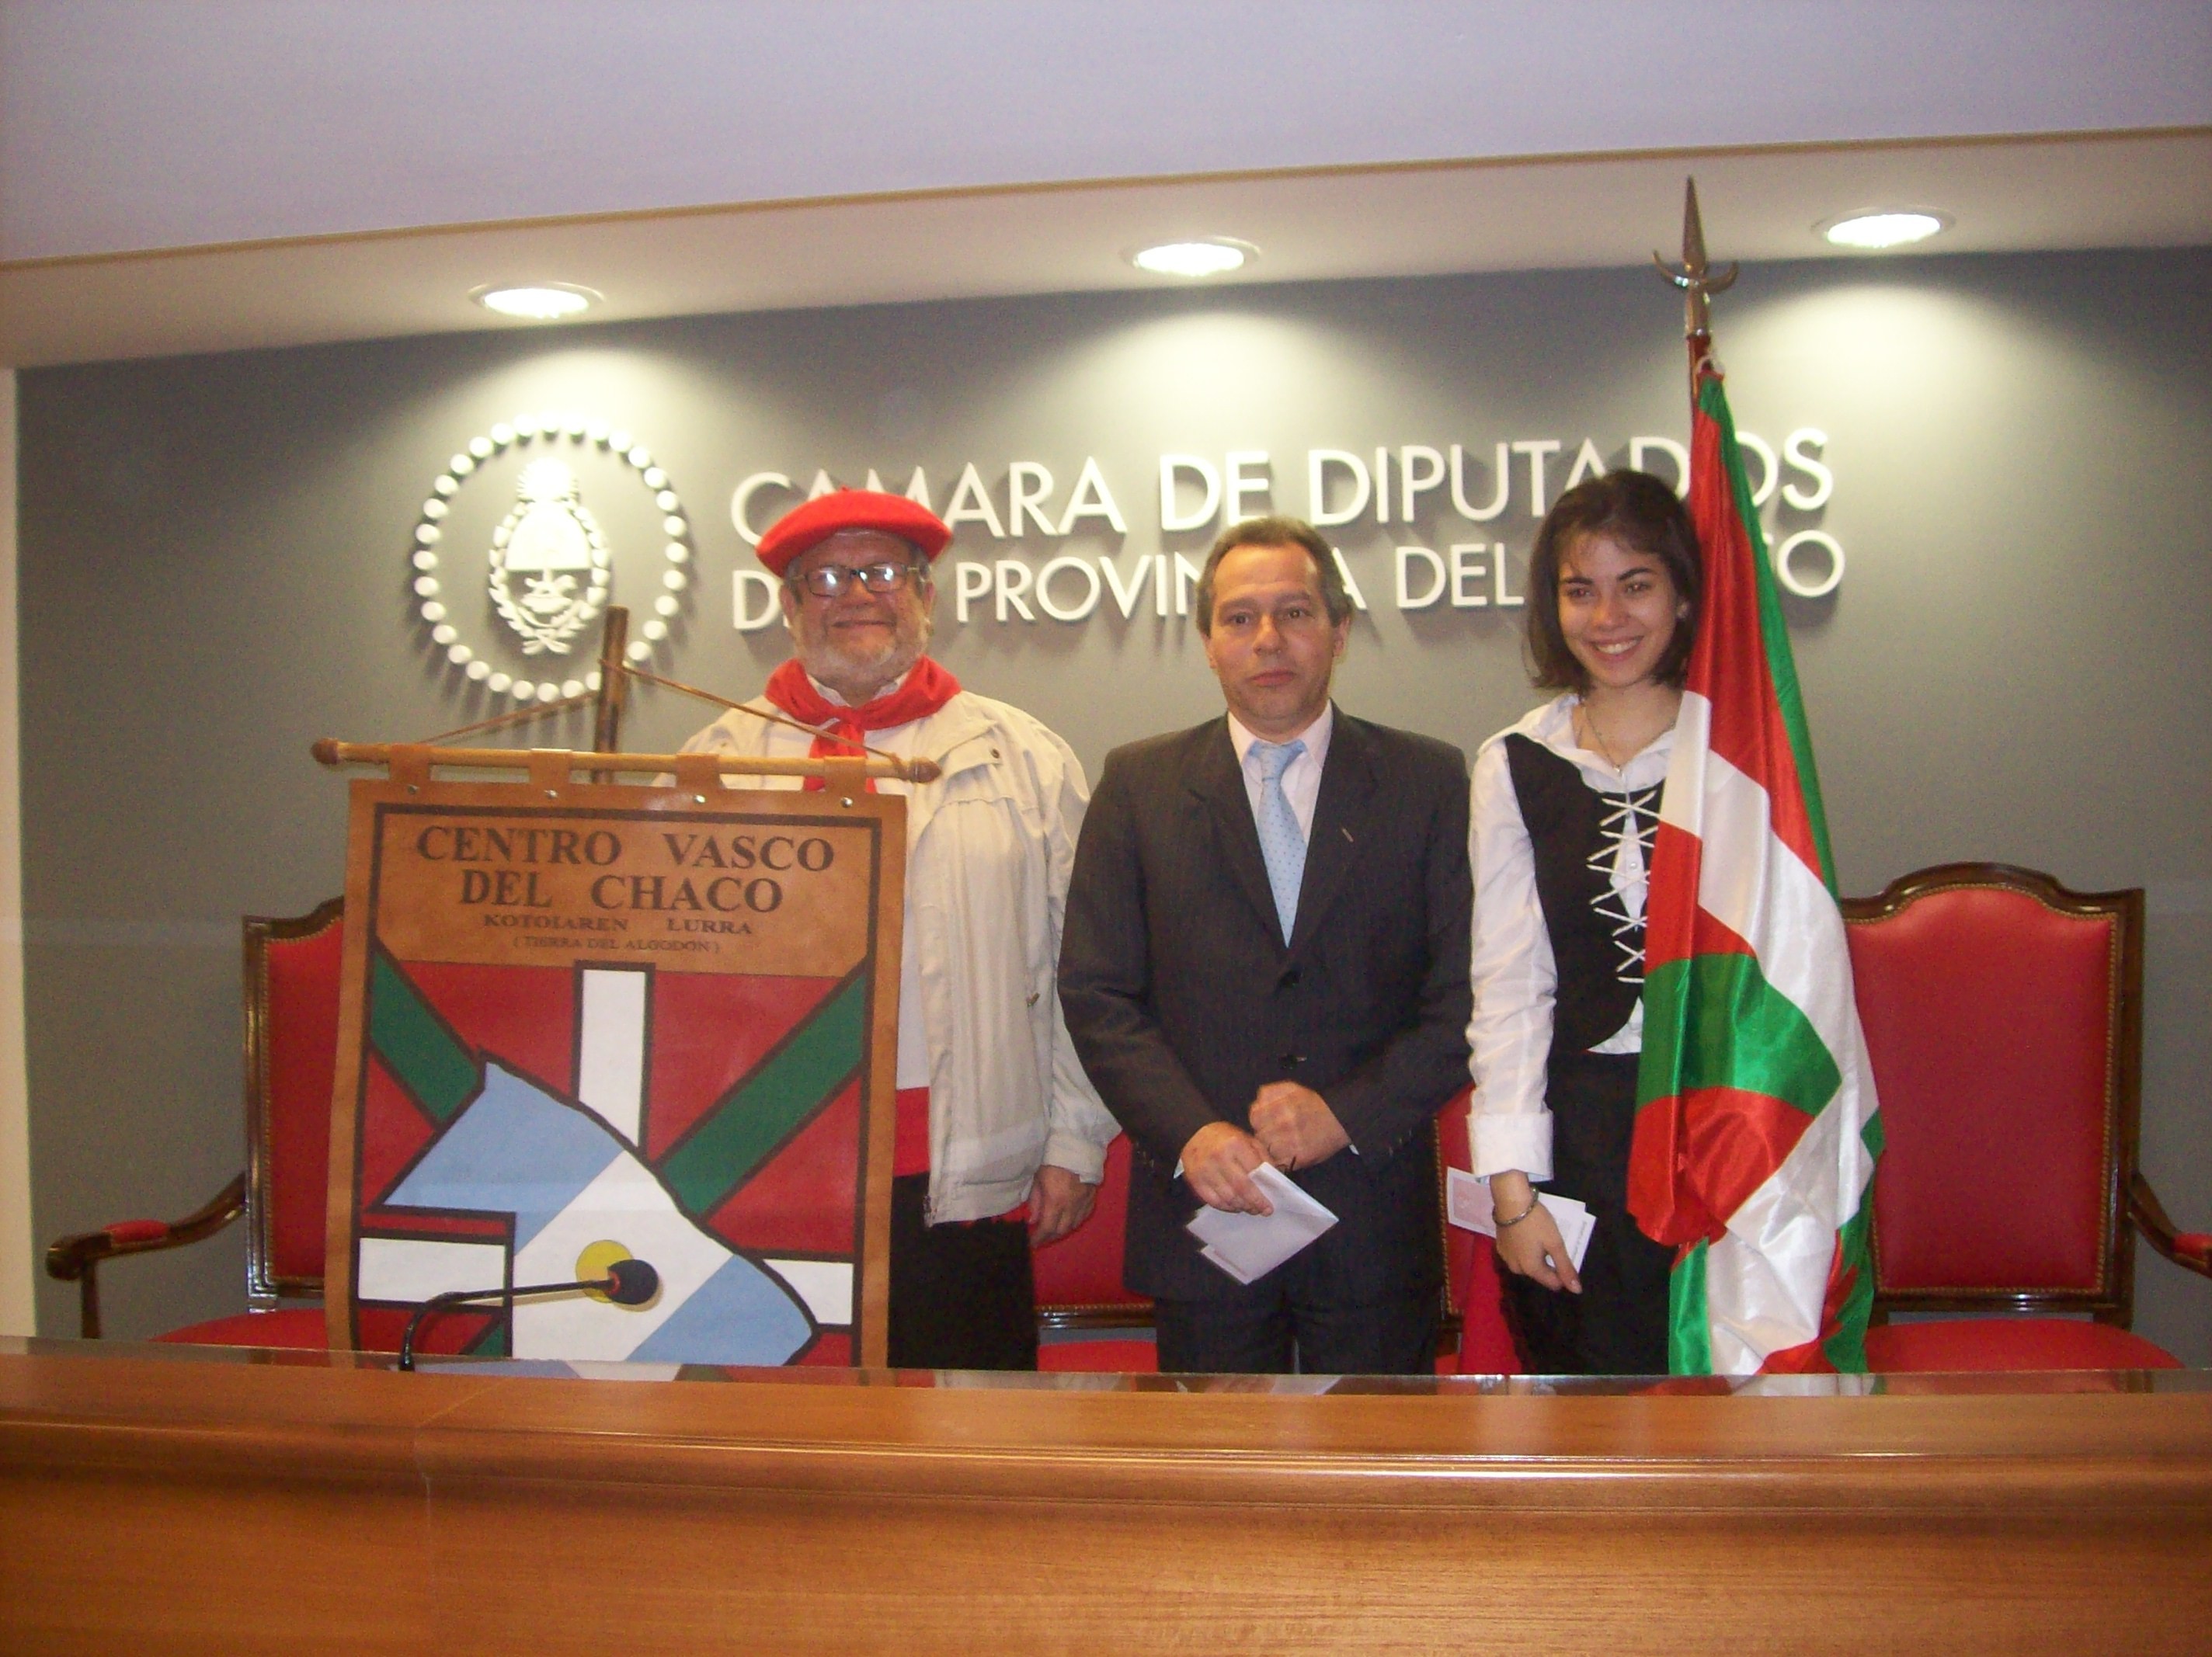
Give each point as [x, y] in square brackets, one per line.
[1740, 1032]
[415, 1045]
[1689, 1315]
[760, 1112]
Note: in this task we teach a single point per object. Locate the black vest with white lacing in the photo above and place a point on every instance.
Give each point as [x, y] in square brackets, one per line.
[1576, 832]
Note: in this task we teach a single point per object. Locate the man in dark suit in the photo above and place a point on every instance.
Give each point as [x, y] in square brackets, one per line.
[1266, 960]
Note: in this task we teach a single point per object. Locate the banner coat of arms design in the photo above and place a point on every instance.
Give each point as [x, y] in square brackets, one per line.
[592, 1022]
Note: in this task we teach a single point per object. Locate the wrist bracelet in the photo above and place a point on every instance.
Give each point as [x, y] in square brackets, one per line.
[1534, 1201]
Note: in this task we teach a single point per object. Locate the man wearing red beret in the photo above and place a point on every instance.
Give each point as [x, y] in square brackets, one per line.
[994, 1112]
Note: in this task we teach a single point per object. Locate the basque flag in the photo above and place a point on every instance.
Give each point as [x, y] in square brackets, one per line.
[1757, 1128]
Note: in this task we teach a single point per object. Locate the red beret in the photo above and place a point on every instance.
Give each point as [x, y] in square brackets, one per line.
[815, 522]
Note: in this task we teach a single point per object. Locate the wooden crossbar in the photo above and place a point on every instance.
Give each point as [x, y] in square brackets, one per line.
[332, 752]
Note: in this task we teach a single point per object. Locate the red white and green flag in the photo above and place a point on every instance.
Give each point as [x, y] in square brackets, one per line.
[1756, 1127]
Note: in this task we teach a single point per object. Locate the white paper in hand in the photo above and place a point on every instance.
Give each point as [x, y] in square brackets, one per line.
[1248, 1247]
[1467, 1199]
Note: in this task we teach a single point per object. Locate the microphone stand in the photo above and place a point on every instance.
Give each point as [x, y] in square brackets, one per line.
[607, 1285]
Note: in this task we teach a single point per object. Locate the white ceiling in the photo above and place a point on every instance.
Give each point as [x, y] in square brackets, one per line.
[184, 175]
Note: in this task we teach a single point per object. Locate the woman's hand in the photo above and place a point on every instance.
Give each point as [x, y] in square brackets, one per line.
[1530, 1248]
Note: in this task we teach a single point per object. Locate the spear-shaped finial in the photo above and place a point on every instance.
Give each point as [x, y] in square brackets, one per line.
[1697, 279]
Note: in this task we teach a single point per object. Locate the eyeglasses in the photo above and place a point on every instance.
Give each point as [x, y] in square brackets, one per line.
[829, 580]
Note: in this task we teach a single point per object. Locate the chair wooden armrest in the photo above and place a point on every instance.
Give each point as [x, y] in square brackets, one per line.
[76, 1259]
[2192, 1249]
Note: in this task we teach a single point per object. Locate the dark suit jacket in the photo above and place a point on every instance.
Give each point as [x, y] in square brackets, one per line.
[1183, 1000]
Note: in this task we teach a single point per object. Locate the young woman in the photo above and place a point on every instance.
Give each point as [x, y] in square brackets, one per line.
[1565, 808]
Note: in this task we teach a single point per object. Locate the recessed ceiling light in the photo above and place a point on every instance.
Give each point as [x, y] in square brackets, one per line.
[547, 301]
[1891, 228]
[1210, 256]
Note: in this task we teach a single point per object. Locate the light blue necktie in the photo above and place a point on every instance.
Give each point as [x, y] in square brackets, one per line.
[1280, 842]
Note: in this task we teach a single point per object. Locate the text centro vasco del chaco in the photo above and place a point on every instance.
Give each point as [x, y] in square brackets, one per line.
[510, 869]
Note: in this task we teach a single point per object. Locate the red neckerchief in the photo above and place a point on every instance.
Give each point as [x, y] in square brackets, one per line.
[927, 688]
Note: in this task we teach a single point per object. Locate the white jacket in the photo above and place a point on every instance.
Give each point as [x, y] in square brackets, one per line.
[989, 848]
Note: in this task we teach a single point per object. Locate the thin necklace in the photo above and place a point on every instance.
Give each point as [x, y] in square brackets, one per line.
[1604, 749]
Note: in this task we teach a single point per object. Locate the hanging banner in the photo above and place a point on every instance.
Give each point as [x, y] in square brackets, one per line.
[590, 1022]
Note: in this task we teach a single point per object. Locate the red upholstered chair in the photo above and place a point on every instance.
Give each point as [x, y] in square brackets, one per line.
[1484, 1342]
[291, 1006]
[1079, 1292]
[2004, 1016]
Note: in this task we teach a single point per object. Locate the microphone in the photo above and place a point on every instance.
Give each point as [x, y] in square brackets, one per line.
[632, 1283]
[627, 1283]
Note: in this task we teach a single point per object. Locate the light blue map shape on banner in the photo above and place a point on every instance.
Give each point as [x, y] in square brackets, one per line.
[569, 1181]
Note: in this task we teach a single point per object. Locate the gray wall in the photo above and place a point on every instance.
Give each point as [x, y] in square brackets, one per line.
[213, 574]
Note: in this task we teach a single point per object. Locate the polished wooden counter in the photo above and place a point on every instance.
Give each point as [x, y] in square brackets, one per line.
[164, 1499]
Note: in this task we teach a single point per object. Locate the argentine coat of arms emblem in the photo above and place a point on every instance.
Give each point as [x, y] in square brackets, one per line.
[552, 560]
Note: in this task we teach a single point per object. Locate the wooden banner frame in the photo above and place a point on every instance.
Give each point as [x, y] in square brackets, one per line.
[476, 888]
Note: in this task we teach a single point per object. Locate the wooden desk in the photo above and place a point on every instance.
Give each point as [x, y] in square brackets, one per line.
[156, 1500]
